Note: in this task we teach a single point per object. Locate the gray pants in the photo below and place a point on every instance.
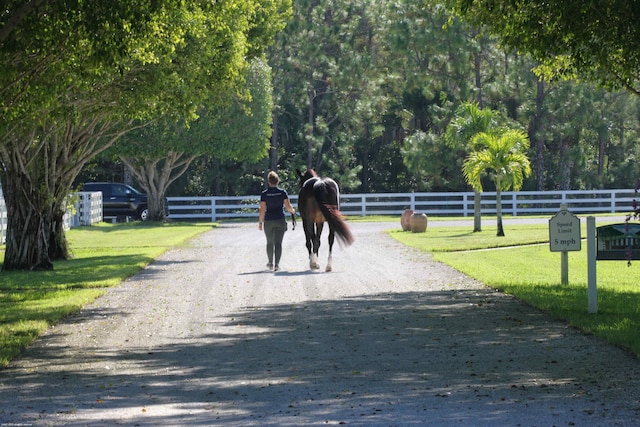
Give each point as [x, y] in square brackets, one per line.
[274, 230]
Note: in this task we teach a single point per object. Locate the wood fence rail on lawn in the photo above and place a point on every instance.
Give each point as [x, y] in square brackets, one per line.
[87, 207]
[520, 203]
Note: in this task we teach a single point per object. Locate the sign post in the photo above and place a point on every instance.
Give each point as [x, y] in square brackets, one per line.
[592, 289]
[564, 236]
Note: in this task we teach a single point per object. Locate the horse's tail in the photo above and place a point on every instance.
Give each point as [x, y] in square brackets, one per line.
[328, 198]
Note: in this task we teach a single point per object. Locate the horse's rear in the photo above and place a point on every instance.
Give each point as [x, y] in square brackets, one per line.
[319, 201]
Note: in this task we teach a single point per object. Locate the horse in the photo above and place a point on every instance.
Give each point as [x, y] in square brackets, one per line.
[319, 201]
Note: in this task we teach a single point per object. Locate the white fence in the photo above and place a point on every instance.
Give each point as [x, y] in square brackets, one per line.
[433, 204]
[87, 208]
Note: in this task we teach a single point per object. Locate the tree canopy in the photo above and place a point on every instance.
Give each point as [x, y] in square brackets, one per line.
[75, 76]
[594, 39]
[233, 125]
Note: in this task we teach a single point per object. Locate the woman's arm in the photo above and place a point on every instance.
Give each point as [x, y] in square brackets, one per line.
[287, 205]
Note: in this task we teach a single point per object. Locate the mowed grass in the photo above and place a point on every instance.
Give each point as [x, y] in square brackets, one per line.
[104, 255]
[522, 265]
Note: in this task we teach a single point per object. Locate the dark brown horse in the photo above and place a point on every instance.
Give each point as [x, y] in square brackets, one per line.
[319, 201]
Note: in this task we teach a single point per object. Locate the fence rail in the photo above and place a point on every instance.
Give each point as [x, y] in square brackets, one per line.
[87, 207]
[520, 203]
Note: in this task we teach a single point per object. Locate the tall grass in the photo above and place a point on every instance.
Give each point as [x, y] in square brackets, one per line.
[104, 255]
[521, 264]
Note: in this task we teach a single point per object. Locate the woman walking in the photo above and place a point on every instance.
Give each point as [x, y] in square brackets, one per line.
[272, 201]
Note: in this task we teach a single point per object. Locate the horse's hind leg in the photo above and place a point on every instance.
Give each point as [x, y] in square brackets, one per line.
[313, 263]
[309, 231]
[332, 237]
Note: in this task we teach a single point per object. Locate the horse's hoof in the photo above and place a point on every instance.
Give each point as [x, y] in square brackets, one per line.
[328, 269]
[314, 266]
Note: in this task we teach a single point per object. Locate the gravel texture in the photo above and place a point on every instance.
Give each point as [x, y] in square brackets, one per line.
[206, 335]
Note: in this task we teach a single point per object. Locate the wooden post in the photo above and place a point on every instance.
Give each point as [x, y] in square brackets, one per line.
[592, 291]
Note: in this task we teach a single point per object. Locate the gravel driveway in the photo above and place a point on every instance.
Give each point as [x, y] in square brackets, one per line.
[207, 336]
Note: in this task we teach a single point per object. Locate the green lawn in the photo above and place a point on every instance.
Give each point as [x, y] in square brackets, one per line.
[104, 255]
[521, 264]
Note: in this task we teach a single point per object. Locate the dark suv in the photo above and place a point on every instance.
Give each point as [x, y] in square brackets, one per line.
[120, 200]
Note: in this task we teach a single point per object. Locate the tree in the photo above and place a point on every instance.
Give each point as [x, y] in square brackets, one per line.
[75, 76]
[56, 101]
[327, 86]
[469, 121]
[596, 39]
[234, 127]
[503, 157]
[423, 85]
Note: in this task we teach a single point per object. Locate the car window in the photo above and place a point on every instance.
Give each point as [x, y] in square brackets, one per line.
[94, 187]
[119, 190]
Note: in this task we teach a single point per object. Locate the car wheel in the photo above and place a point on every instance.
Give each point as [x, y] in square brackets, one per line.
[143, 214]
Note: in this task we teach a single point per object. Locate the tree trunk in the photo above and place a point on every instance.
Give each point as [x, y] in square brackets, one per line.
[58, 246]
[155, 176]
[310, 127]
[478, 76]
[477, 213]
[564, 164]
[603, 138]
[477, 196]
[28, 232]
[536, 138]
[364, 184]
[216, 185]
[39, 167]
[273, 150]
[500, 232]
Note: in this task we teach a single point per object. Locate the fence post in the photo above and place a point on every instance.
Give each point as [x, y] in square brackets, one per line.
[363, 201]
[214, 218]
[465, 201]
[87, 209]
[514, 203]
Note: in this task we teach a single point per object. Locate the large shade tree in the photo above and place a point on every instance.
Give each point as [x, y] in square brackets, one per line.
[234, 126]
[74, 76]
[60, 93]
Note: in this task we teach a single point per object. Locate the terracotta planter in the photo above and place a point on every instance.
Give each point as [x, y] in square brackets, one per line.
[418, 223]
[405, 219]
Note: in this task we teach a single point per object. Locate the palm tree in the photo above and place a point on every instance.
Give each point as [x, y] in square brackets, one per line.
[470, 120]
[503, 157]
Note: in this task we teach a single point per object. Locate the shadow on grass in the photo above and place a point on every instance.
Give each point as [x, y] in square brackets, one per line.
[73, 273]
[32, 301]
[617, 319]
